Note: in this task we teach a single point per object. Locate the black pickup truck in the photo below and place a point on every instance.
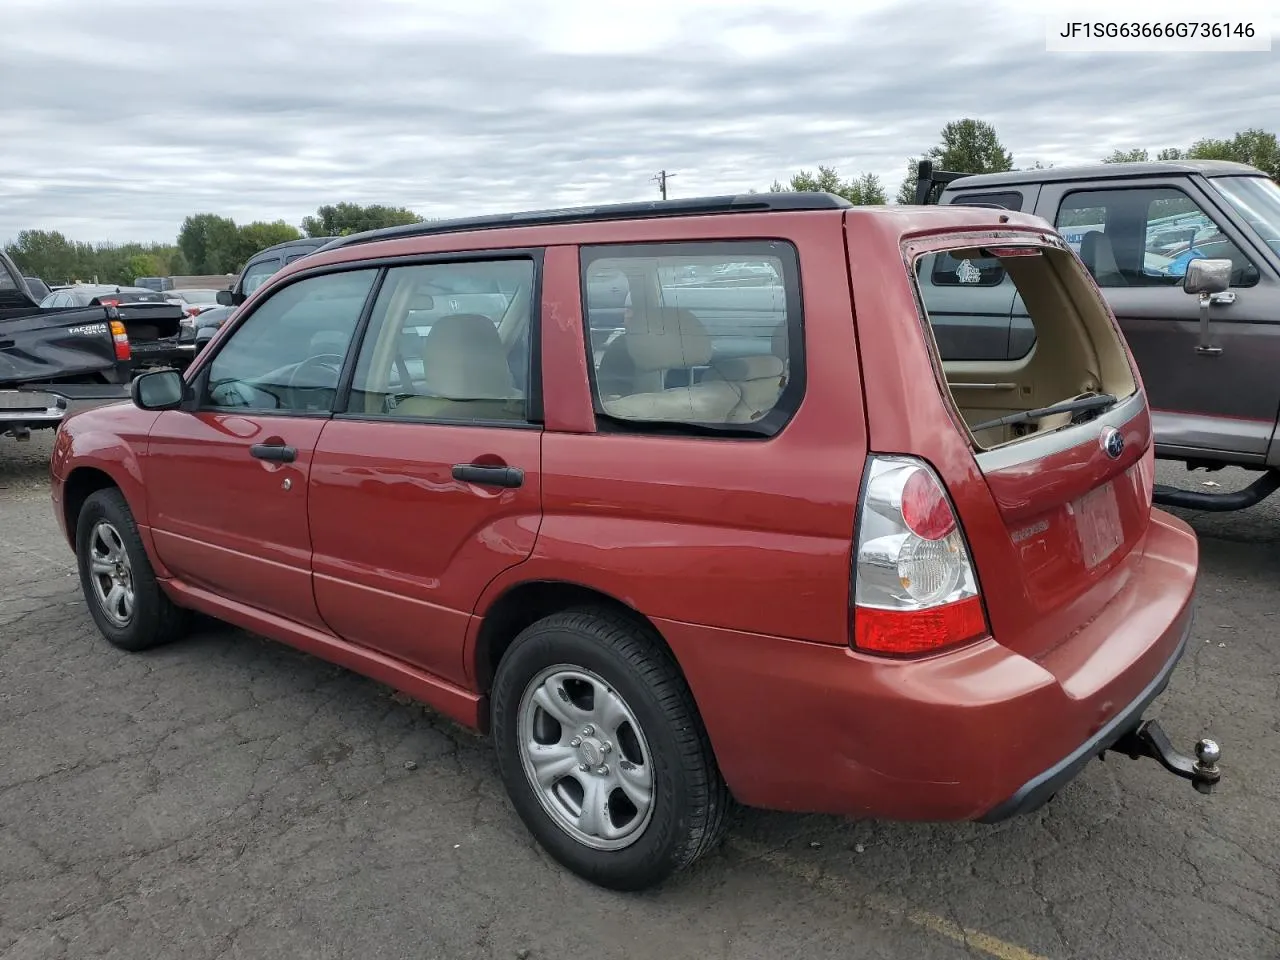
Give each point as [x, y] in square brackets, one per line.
[1210, 362]
[50, 356]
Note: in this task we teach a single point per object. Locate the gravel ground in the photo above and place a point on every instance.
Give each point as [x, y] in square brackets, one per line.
[229, 797]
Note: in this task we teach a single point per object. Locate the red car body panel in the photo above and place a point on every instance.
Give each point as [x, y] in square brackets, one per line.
[226, 522]
[402, 550]
[738, 551]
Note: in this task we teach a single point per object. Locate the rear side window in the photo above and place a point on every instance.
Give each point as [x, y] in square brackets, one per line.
[700, 338]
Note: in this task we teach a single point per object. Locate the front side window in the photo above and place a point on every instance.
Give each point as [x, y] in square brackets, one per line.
[286, 357]
[710, 338]
[257, 273]
[1145, 237]
[449, 341]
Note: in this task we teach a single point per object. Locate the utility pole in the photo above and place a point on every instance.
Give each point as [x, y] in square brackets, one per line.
[661, 181]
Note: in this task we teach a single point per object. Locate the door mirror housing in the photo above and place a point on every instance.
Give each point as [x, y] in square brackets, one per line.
[158, 390]
[225, 298]
[1207, 277]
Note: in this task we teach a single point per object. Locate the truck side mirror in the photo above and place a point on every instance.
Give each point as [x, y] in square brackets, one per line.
[1207, 277]
[225, 298]
[158, 390]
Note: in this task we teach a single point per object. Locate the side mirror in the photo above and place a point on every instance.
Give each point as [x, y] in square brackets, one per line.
[1207, 277]
[225, 298]
[158, 390]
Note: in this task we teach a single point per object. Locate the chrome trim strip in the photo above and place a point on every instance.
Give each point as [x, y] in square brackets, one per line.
[1020, 452]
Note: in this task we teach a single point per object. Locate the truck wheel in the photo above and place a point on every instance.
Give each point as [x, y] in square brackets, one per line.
[602, 750]
[120, 587]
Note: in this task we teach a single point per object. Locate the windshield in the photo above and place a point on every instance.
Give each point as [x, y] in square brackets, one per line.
[1257, 200]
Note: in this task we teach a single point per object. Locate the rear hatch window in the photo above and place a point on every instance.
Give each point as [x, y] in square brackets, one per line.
[1061, 434]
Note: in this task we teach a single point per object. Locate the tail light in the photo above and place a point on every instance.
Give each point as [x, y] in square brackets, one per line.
[121, 338]
[914, 589]
[108, 302]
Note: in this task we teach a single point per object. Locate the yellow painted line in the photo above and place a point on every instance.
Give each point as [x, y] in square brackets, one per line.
[813, 876]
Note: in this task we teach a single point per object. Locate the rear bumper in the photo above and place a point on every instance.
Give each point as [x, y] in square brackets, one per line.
[981, 733]
[1040, 789]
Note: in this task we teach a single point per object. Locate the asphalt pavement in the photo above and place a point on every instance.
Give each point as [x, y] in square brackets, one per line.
[227, 797]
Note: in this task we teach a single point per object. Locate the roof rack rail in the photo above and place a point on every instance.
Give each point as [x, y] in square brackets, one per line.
[692, 206]
[928, 178]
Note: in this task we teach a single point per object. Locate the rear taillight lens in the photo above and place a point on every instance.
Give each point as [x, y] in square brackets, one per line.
[121, 339]
[914, 588]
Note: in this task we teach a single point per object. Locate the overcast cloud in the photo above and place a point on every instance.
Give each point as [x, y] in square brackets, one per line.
[120, 117]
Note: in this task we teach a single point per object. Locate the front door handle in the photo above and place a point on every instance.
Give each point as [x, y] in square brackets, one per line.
[488, 476]
[276, 452]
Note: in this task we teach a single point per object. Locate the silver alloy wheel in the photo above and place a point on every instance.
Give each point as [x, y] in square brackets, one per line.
[111, 573]
[586, 757]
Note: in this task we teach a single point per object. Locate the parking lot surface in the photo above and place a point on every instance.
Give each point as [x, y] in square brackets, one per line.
[229, 797]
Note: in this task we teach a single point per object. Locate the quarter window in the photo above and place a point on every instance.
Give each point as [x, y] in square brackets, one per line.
[708, 336]
[449, 341]
[288, 354]
[1145, 237]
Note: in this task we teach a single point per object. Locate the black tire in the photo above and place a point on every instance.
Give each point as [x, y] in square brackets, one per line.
[690, 800]
[154, 619]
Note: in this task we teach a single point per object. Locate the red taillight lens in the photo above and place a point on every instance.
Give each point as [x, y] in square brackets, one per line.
[109, 303]
[121, 338]
[914, 589]
[906, 632]
[925, 509]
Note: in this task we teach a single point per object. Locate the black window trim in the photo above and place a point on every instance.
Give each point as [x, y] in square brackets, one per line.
[199, 380]
[772, 424]
[534, 416]
[1206, 203]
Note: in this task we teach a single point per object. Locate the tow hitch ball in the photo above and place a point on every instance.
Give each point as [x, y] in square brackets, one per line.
[1150, 740]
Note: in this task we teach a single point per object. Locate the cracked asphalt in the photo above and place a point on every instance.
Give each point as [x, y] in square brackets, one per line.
[227, 797]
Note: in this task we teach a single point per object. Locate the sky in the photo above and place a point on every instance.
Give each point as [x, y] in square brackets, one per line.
[120, 117]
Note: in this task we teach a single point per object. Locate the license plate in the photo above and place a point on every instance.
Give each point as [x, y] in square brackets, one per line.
[1097, 517]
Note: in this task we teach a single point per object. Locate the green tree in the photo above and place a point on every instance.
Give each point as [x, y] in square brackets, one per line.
[142, 265]
[1127, 156]
[252, 237]
[1255, 147]
[864, 190]
[342, 219]
[44, 253]
[209, 243]
[968, 146]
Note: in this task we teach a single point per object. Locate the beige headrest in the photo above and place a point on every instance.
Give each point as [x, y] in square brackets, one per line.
[667, 339]
[463, 359]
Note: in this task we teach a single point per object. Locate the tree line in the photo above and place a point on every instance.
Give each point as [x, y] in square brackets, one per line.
[211, 244]
[206, 244]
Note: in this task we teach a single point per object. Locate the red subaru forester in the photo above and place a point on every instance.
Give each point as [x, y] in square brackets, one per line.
[740, 497]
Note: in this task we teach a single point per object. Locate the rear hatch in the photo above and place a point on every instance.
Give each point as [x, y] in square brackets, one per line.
[1059, 435]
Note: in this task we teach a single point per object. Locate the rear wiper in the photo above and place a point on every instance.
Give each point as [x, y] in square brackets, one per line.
[1078, 405]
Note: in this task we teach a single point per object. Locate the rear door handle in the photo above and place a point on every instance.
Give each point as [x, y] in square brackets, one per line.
[488, 476]
[276, 452]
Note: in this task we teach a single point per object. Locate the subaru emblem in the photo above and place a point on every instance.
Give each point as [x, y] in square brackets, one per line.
[1112, 443]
